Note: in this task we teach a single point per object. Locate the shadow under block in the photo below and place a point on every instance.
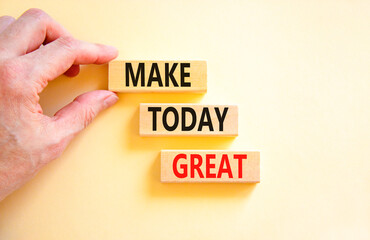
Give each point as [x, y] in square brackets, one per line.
[158, 76]
[159, 119]
[210, 166]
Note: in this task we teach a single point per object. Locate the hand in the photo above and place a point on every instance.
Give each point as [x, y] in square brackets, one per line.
[34, 49]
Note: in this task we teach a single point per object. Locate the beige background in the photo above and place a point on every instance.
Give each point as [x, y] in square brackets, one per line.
[299, 71]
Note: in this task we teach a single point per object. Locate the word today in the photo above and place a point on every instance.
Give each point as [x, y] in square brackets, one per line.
[188, 119]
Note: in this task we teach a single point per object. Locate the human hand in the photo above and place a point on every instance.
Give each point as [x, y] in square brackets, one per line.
[34, 49]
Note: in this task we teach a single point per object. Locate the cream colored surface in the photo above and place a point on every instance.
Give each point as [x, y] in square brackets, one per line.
[299, 71]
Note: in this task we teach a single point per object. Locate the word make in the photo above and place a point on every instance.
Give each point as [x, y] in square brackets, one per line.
[209, 166]
[188, 119]
[158, 76]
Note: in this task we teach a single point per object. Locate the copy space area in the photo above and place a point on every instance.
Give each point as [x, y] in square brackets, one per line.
[299, 73]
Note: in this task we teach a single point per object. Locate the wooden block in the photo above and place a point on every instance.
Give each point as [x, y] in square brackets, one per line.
[158, 76]
[188, 119]
[210, 166]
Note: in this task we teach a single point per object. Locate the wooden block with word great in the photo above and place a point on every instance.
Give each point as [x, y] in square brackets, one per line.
[158, 76]
[188, 119]
[210, 166]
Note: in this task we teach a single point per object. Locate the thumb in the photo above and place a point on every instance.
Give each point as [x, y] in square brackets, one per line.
[74, 117]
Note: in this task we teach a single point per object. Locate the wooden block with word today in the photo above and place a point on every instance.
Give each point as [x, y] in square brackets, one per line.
[158, 76]
[188, 120]
[210, 166]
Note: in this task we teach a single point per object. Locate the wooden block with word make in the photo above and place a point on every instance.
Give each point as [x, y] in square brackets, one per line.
[158, 76]
[210, 166]
[188, 120]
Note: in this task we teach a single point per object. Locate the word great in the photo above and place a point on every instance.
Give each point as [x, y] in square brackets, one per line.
[158, 76]
[209, 166]
[188, 119]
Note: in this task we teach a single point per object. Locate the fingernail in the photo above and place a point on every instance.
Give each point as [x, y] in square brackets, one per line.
[110, 100]
[111, 48]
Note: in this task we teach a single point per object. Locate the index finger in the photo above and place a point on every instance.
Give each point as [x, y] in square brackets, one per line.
[55, 58]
